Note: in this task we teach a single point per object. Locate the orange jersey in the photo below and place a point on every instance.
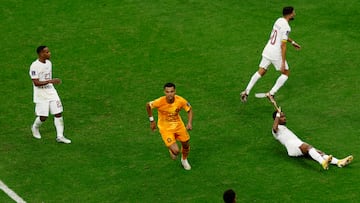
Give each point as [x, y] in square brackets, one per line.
[168, 114]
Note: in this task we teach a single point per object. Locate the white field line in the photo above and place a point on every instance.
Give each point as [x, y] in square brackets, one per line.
[11, 193]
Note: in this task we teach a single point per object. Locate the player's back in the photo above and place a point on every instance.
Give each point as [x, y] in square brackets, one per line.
[280, 32]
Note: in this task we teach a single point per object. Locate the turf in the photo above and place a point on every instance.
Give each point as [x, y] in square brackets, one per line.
[114, 56]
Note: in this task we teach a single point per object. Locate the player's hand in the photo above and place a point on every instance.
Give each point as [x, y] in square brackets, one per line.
[189, 126]
[296, 45]
[282, 68]
[56, 81]
[153, 125]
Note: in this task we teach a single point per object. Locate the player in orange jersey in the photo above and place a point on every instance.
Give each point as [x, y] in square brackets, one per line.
[170, 124]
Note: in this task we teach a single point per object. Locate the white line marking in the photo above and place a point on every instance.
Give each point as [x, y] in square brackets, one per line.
[11, 193]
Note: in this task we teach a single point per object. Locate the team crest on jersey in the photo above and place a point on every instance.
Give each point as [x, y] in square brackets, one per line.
[33, 73]
[169, 140]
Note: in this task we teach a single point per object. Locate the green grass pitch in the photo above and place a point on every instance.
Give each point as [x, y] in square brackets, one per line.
[114, 56]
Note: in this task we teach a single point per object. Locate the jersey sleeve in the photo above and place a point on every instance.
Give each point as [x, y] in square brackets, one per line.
[285, 36]
[155, 103]
[285, 32]
[33, 72]
[186, 105]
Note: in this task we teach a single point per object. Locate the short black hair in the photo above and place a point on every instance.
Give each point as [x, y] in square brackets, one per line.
[274, 114]
[287, 10]
[169, 84]
[40, 48]
[229, 196]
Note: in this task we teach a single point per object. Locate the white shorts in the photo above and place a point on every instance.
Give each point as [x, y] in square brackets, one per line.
[43, 109]
[293, 147]
[265, 62]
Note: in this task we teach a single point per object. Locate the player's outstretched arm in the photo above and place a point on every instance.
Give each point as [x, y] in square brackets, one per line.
[276, 120]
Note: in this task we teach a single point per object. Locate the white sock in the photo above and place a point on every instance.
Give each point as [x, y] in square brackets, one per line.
[37, 122]
[333, 160]
[315, 155]
[252, 82]
[279, 83]
[59, 125]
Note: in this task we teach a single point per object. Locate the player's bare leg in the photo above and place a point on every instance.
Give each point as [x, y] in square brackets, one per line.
[172, 155]
[317, 155]
[174, 150]
[185, 149]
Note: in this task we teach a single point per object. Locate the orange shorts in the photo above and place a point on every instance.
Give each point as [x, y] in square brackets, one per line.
[170, 137]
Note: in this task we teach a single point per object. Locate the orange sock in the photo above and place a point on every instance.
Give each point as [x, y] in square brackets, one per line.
[185, 152]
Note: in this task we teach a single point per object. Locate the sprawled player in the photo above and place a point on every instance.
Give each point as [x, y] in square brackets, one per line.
[170, 123]
[275, 53]
[45, 96]
[296, 147]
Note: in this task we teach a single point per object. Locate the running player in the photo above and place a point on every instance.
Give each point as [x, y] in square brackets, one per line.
[45, 96]
[296, 147]
[275, 53]
[170, 123]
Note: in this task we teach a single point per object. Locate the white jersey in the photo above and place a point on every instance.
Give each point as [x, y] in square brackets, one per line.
[280, 32]
[43, 72]
[287, 138]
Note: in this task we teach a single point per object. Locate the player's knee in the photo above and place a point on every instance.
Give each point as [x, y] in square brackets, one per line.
[175, 151]
[305, 148]
[185, 145]
[262, 71]
[43, 118]
[286, 72]
[58, 115]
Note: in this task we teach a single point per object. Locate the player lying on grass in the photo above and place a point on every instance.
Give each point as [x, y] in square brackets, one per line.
[296, 147]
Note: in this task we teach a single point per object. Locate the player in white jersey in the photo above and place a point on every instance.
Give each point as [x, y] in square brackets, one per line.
[296, 147]
[45, 96]
[274, 53]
